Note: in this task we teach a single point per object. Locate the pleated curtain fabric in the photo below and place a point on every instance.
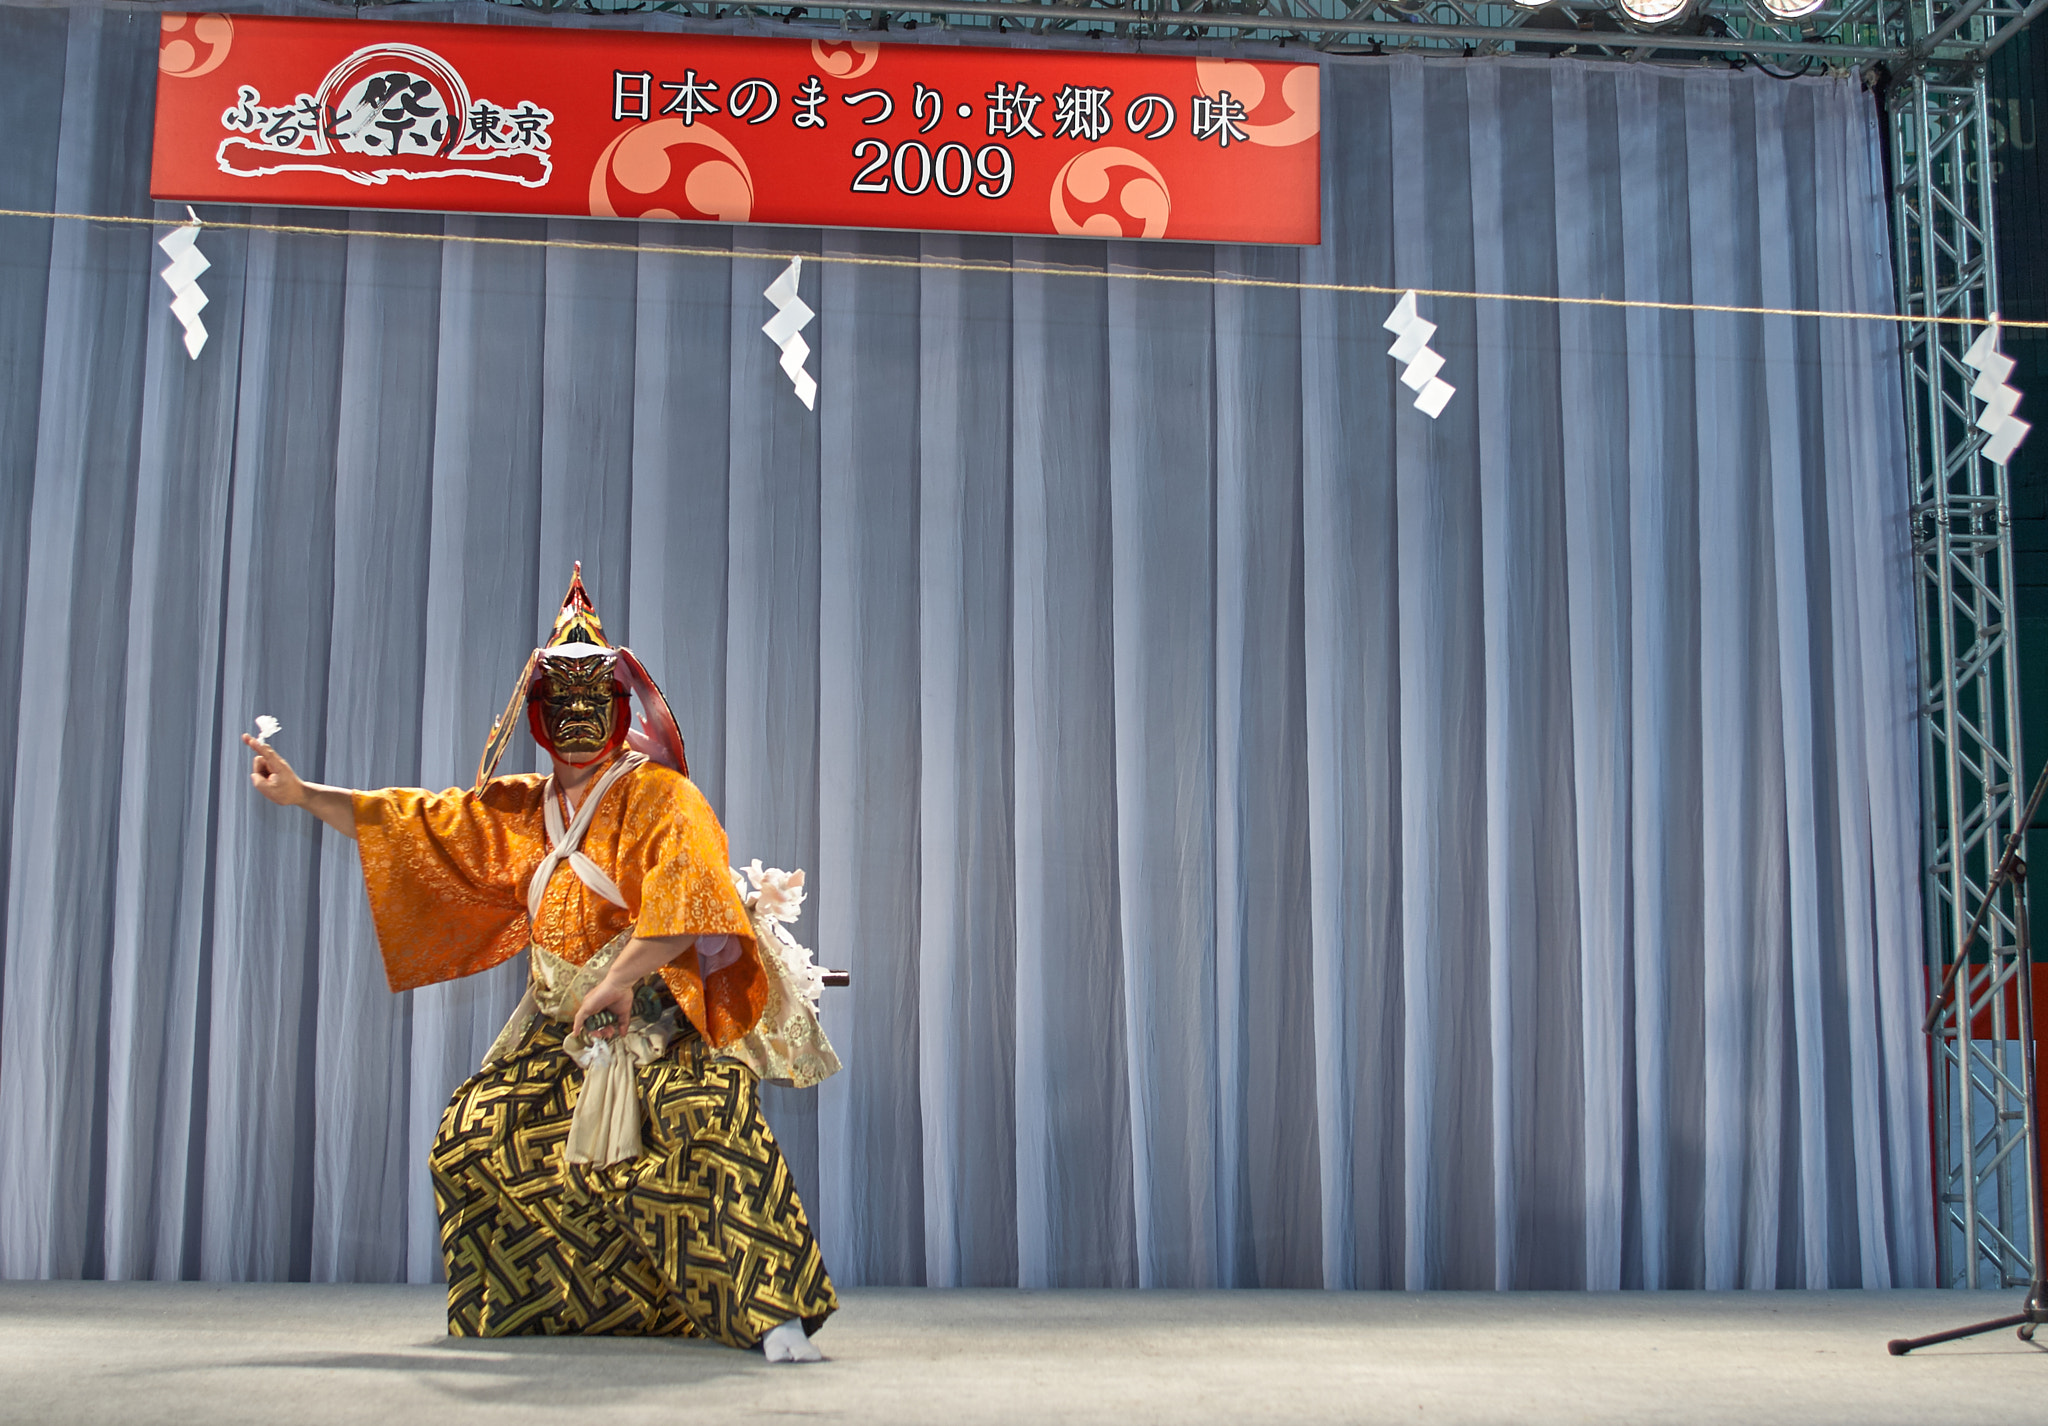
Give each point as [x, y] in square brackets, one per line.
[1277, 840]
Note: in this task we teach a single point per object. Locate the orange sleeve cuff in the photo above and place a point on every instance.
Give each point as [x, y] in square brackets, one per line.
[441, 870]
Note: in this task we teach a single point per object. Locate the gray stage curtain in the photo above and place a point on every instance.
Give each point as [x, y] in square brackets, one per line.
[1277, 839]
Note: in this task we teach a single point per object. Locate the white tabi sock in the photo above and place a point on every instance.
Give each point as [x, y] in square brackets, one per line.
[786, 1342]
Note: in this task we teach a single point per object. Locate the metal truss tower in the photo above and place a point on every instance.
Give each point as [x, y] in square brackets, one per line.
[1927, 59]
[1972, 771]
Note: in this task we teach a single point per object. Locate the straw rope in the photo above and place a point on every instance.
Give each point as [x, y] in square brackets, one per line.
[1037, 270]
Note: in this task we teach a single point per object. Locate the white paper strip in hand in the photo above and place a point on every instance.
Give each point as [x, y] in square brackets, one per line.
[1411, 348]
[785, 329]
[182, 277]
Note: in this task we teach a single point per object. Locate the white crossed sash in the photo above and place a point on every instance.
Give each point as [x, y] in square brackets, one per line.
[565, 844]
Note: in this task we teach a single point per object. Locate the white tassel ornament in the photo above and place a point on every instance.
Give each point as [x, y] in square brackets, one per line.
[785, 329]
[182, 277]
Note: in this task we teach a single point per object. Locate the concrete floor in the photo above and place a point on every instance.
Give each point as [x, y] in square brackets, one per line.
[306, 1356]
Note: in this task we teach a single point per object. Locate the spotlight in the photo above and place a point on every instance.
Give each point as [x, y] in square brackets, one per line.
[1656, 13]
[1792, 9]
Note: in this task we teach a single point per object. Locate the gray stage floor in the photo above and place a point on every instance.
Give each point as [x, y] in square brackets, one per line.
[147, 1353]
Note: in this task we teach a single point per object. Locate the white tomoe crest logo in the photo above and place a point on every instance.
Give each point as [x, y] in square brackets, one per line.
[389, 111]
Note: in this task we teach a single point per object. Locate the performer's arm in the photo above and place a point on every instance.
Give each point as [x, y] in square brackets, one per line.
[272, 776]
[643, 956]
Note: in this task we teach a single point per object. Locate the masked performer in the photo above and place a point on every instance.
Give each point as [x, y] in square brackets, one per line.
[608, 1170]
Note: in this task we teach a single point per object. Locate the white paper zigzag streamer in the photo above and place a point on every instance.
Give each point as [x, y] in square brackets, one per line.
[785, 329]
[1996, 420]
[1411, 347]
[182, 277]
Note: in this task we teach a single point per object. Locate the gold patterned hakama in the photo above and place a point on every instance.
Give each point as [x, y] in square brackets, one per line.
[701, 1235]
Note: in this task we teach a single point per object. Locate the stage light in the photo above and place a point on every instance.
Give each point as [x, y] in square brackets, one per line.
[1653, 13]
[1792, 9]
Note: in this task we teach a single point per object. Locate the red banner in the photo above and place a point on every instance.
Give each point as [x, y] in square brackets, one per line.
[848, 134]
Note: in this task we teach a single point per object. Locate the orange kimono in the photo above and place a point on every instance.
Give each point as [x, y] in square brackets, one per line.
[701, 1233]
[448, 873]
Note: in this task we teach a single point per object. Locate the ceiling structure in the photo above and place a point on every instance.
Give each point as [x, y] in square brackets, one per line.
[1784, 35]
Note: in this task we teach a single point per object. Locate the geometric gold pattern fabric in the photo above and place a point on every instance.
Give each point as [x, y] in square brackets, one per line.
[702, 1235]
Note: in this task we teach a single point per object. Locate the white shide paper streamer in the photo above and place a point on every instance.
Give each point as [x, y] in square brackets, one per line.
[1411, 347]
[785, 329]
[1996, 420]
[182, 277]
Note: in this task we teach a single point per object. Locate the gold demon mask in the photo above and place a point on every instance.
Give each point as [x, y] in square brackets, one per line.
[576, 707]
[577, 690]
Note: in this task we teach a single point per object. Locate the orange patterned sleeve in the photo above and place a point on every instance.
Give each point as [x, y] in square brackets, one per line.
[686, 890]
[443, 870]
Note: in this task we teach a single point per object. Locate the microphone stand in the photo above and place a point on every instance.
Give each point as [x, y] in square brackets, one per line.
[2012, 868]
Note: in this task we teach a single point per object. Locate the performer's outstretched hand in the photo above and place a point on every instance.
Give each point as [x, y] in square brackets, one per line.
[272, 776]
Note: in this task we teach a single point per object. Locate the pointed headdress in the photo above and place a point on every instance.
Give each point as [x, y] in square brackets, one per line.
[578, 636]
